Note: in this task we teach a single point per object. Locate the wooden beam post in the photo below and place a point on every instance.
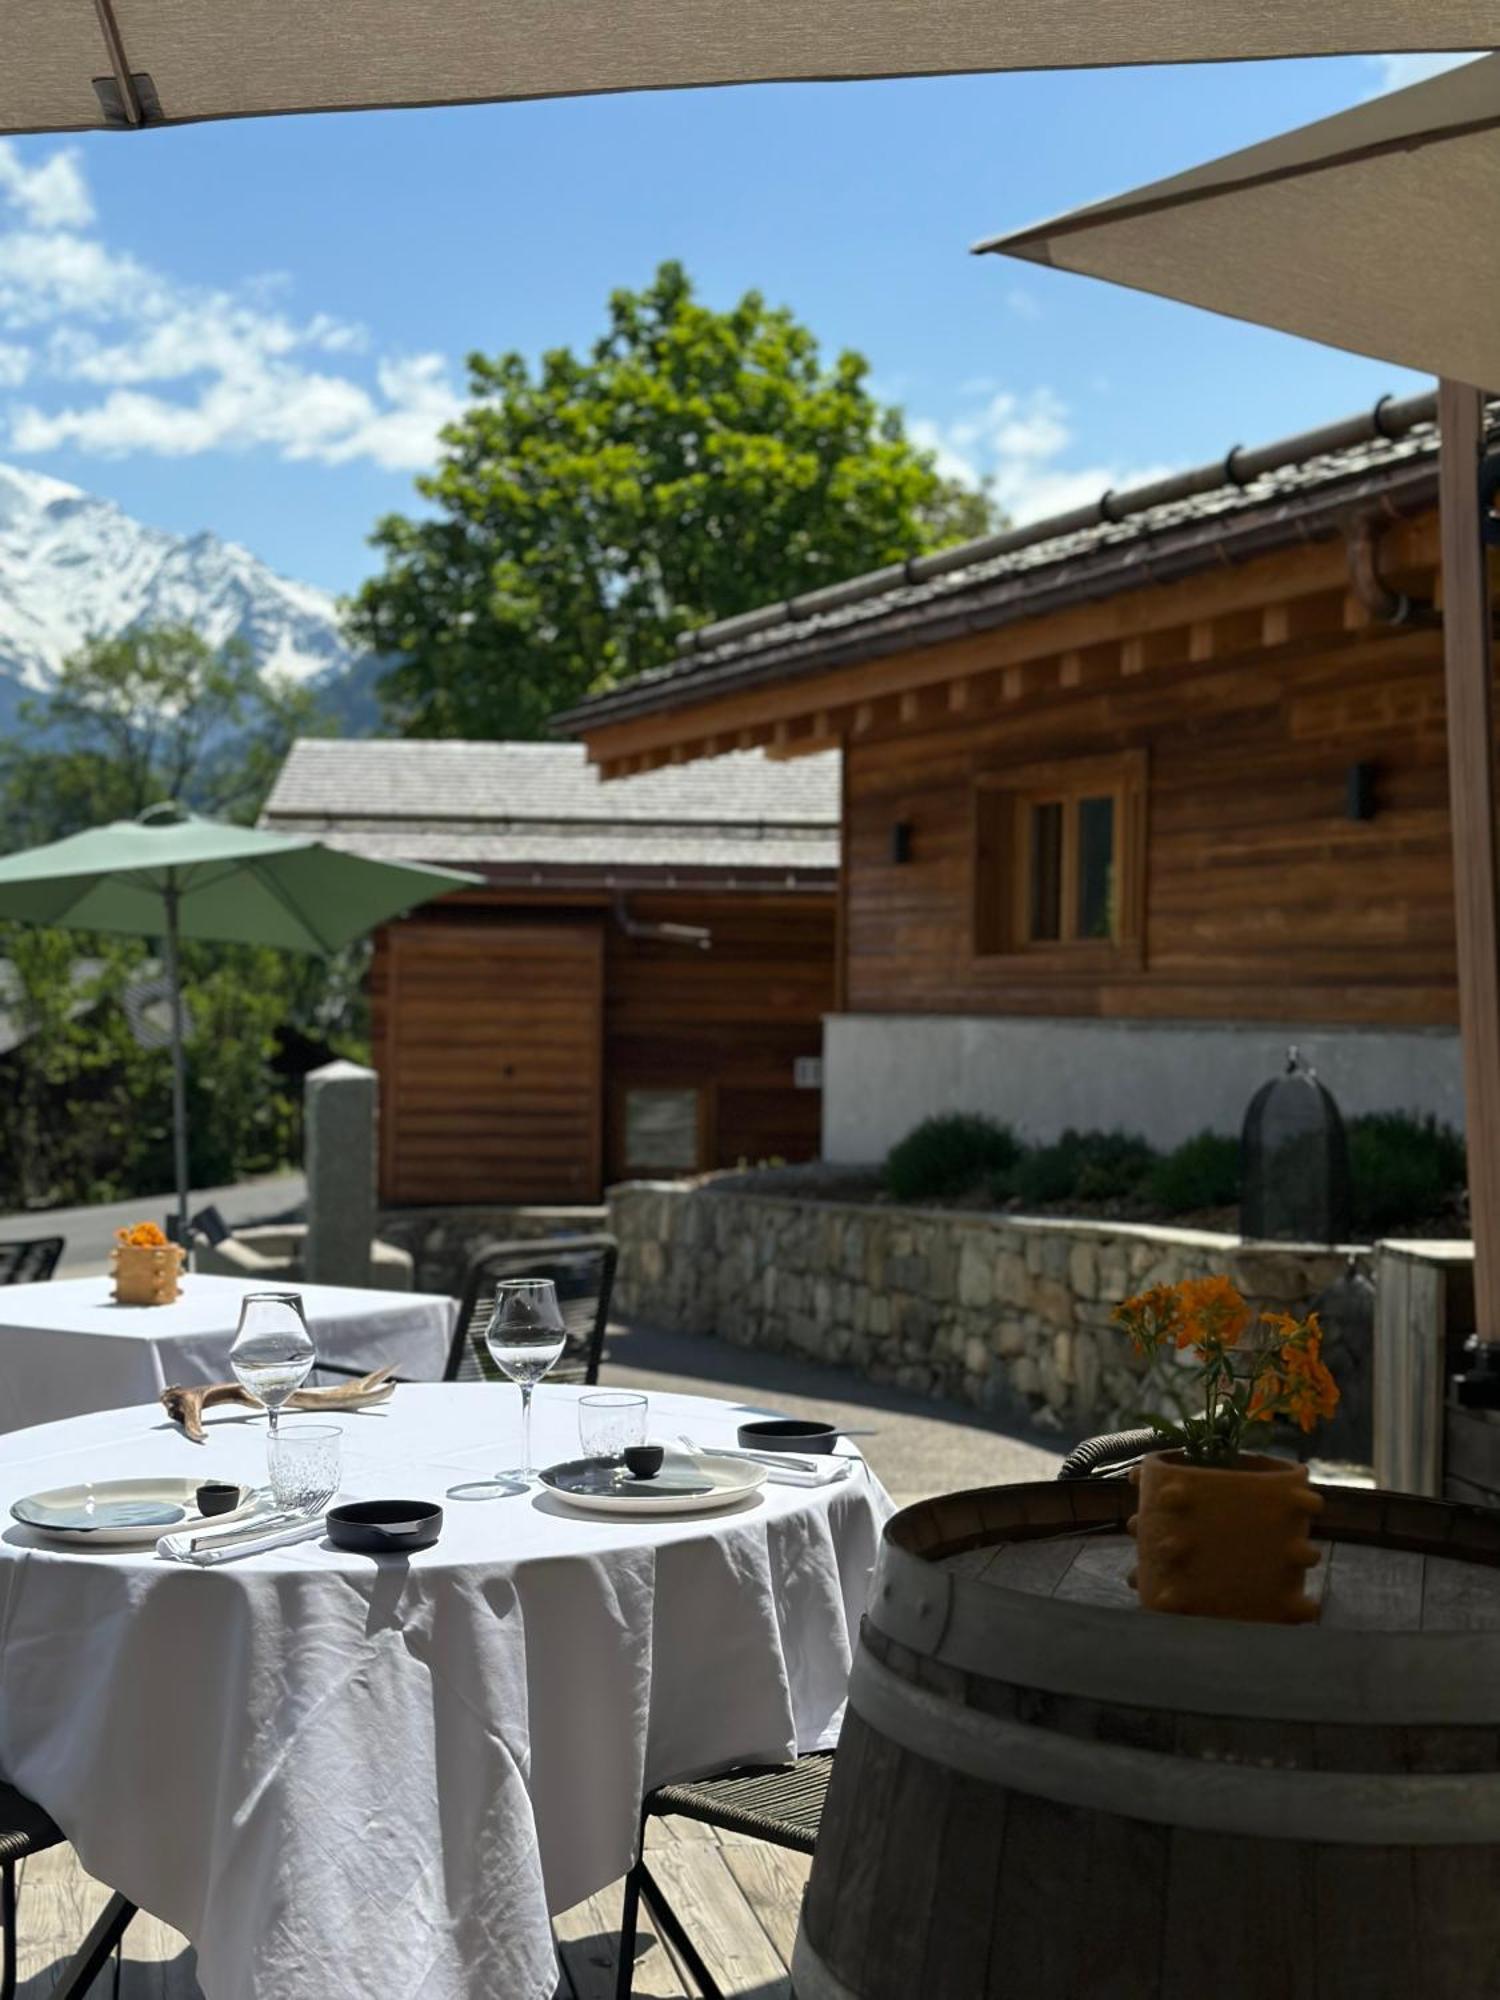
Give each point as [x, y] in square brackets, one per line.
[1469, 673]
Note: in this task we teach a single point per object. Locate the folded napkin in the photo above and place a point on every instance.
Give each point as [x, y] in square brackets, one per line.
[186, 1406]
[203, 1545]
[788, 1470]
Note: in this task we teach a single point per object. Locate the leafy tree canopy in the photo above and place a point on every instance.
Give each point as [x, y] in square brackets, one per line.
[156, 713]
[695, 465]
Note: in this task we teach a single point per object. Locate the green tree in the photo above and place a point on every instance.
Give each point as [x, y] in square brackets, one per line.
[84, 1106]
[156, 713]
[694, 465]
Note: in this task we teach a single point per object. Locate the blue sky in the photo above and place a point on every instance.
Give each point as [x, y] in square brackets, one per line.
[256, 328]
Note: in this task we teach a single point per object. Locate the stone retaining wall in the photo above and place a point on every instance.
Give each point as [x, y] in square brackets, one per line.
[1009, 1314]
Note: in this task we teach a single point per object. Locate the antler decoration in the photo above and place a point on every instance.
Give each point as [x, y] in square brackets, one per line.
[186, 1406]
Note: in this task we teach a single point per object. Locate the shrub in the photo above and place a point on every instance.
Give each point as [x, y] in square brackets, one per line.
[1203, 1172]
[1402, 1171]
[1085, 1166]
[950, 1155]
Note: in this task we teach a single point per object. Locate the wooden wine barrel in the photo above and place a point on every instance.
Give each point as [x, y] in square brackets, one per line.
[1043, 1792]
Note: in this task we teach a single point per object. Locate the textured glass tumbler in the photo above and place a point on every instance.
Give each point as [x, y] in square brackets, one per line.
[610, 1422]
[303, 1461]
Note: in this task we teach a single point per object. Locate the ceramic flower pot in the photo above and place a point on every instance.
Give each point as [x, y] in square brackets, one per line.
[146, 1274]
[1224, 1542]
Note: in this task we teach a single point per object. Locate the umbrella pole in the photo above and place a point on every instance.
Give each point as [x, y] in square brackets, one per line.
[1469, 672]
[179, 1062]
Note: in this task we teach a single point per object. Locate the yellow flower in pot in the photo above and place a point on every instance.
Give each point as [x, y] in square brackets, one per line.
[1220, 1531]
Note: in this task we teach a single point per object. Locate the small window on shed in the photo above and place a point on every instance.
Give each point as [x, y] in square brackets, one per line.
[1059, 859]
[661, 1131]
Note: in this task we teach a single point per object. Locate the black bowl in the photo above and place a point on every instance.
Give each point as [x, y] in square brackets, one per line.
[215, 1497]
[384, 1527]
[644, 1461]
[787, 1434]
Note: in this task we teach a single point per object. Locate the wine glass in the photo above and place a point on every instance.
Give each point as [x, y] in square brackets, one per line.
[273, 1353]
[525, 1336]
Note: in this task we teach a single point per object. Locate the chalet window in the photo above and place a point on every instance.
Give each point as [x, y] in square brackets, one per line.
[661, 1131]
[1059, 860]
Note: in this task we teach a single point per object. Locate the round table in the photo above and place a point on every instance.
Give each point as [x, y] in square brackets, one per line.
[342, 1775]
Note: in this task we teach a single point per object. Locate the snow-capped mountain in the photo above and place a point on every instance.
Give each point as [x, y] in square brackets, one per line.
[72, 565]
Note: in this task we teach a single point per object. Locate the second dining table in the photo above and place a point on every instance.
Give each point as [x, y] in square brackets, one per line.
[68, 1348]
[343, 1775]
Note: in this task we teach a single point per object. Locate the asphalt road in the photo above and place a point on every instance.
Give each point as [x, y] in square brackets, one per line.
[88, 1232]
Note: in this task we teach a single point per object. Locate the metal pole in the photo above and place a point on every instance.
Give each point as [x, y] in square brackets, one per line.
[1469, 670]
[170, 896]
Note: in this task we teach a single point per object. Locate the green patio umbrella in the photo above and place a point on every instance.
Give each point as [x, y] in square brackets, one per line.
[172, 875]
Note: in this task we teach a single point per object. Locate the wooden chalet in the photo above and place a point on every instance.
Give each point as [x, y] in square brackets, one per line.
[1131, 797]
[639, 987]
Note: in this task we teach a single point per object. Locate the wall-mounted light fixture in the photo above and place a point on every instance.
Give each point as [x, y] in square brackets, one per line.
[901, 842]
[1359, 786]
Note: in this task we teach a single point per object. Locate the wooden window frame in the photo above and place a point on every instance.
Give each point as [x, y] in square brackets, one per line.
[704, 1092]
[1002, 797]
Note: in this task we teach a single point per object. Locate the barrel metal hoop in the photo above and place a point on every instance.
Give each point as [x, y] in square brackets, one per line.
[1363, 1809]
[811, 1979]
[1220, 1667]
[911, 1601]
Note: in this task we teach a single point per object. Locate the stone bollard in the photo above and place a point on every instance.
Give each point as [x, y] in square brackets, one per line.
[339, 1105]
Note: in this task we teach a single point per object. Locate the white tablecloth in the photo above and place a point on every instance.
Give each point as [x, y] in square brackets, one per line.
[342, 1776]
[67, 1348]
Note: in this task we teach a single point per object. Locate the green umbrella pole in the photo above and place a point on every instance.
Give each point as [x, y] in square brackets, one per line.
[179, 1062]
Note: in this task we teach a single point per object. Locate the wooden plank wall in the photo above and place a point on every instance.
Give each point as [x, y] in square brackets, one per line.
[506, 1031]
[1263, 899]
[731, 1019]
[488, 1040]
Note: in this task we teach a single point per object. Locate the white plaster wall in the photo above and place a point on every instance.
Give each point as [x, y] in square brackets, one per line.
[884, 1073]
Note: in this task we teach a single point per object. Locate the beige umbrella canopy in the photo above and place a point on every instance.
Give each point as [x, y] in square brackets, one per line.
[72, 65]
[1374, 230]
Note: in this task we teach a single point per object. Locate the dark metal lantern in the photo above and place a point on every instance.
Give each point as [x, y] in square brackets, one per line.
[1294, 1161]
[1346, 1312]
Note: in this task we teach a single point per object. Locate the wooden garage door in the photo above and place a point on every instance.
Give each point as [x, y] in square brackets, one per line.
[488, 1042]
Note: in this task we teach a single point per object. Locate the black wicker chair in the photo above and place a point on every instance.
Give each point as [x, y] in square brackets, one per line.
[30, 1263]
[25, 1830]
[1110, 1456]
[779, 1803]
[582, 1268]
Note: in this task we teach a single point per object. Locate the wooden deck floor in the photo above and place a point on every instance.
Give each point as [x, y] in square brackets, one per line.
[738, 1898]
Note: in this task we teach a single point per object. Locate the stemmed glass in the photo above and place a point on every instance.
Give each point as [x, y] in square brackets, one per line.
[273, 1353]
[525, 1336]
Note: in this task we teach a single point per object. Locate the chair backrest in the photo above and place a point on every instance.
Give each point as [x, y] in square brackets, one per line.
[29, 1263]
[583, 1270]
[1110, 1456]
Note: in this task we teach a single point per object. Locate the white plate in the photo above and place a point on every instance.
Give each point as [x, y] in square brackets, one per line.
[595, 1488]
[118, 1513]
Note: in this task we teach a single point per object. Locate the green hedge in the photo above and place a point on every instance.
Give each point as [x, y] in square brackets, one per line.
[1406, 1172]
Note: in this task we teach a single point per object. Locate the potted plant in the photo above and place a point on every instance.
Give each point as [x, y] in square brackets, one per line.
[146, 1267]
[1222, 1531]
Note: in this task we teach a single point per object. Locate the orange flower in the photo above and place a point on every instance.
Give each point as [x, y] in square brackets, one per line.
[1264, 1399]
[1215, 1314]
[144, 1236]
[1152, 1318]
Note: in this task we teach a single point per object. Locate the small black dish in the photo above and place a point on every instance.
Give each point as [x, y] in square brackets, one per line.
[643, 1461]
[787, 1434]
[384, 1527]
[214, 1497]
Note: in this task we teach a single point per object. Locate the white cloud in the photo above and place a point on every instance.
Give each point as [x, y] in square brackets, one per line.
[1019, 446]
[54, 195]
[1396, 72]
[1024, 304]
[127, 359]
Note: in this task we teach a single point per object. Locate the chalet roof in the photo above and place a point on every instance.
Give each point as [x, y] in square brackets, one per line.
[1246, 504]
[536, 810]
